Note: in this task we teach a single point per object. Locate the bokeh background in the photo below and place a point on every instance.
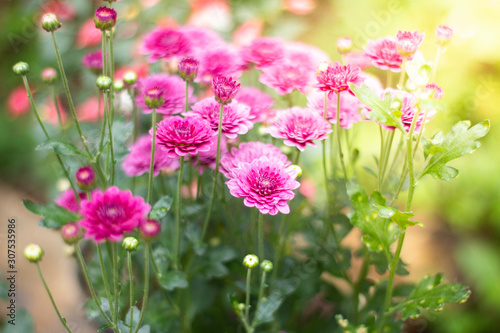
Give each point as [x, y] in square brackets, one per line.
[462, 217]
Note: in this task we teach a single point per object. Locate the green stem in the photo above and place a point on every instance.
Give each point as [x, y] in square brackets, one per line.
[339, 145]
[152, 161]
[146, 287]
[388, 81]
[112, 74]
[247, 297]
[402, 75]
[61, 318]
[114, 256]
[186, 102]
[177, 240]
[296, 159]
[108, 115]
[387, 154]
[380, 158]
[260, 226]
[261, 294]
[104, 54]
[104, 276]
[131, 289]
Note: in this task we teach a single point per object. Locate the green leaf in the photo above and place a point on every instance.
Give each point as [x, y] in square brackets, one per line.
[55, 216]
[460, 141]
[418, 70]
[23, 323]
[161, 207]
[60, 147]
[267, 308]
[400, 218]
[431, 294]
[382, 110]
[173, 280]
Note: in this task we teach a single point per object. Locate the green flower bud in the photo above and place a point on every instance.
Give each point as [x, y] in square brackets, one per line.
[130, 244]
[50, 22]
[21, 68]
[118, 85]
[33, 252]
[297, 169]
[251, 261]
[104, 82]
[129, 78]
[266, 266]
[49, 75]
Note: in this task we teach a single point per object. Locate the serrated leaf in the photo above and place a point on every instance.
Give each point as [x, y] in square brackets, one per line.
[161, 207]
[460, 141]
[432, 295]
[381, 109]
[55, 216]
[418, 70]
[400, 218]
[60, 147]
[267, 308]
[173, 280]
[381, 264]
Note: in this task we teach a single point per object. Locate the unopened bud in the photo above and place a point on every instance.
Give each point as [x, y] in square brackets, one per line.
[118, 85]
[188, 69]
[344, 45]
[322, 66]
[104, 82]
[153, 97]
[266, 266]
[296, 168]
[71, 233]
[21, 68]
[150, 229]
[129, 78]
[50, 22]
[33, 252]
[105, 18]
[49, 75]
[251, 261]
[130, 244]
[85, 178]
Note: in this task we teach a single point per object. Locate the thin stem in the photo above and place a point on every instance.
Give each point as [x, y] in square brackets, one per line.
[387, 154]
[261, 294]
[112, 73]
[131, 289]
[381, 157]
[146, 287]
[260, 231]
[186, 102]
[247, 297]
[216, 175]
[177, 240]
[104, 54]
[420, 132]
[114, 256]
[61, 318]
[403, 72]
[104, 276]
[296, 159]
[108, 115]
[339, 145]
[152, 161]
[388, 81]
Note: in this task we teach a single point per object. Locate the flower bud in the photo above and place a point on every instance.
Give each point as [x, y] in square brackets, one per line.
[105, 18]
[322, 67]
[33, 252]
[21, 68]
[188, 69]
[266, 266]
[130, 244]
[150, 229]
[153, 97]
[104, 82]
[225, 89]
[443, 35]
[49, 75]
[241, 307]
[71, 233]
[129, 78]
[50, 22]
[296, 168]
[118, 85]
[344, 45]
[251, 261]
[85, 178]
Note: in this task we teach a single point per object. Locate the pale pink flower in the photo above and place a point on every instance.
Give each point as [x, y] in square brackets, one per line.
[434, 91]
[335, 78]
[219, 61]
[349, 107]
[305, 55]
[18, 103]
[358, 59]
[67, 200]
[88, 35]
[247, 152]
[201, 39]
[89, 111]
[287, 77]
[384, 54]
[213, 14]
[259, 102]
[49, 112]
[443, 35]
[248, 31]
[299, 7]
[64, 10]
[299, 127]
[235, 118]
[165, 43]
[264, 51]
[408, 42]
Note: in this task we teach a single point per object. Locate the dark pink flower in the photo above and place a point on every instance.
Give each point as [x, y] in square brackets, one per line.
[174, 89]
[264, 51]
[184, 136]
[164, 43]
[18, 103]
[225, 89]
[286, 77]
[93, 61]
[138, 161]
[384, 54]
[434, 91]
[188, 69]
[443, 35]
[67, 200]
[349, 107]
[105, 18]
[247, 152]
[223, 60]
[110, 214]
[265, 184]
[408, 42]
[235, 118]
[85, 177]
[258, 101]
[299, 127]
[335, 78]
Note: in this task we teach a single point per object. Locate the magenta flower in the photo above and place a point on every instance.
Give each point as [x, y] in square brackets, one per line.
[93, 61]
[105, 18]
[173, 88]
[384, 54]
[225, 89]
[249, 151]
[164, 43]
[138, 161]
[235, 118]
[286, 77]
[299, 127]
[443, 35]
[223, 60]
[67, 200]
[188, 69]
[258, 101]
[201, 39]
[112, 213]
[349, 107]
[264, 52]
[85, 177]
[335, 78]
[265, 184]
[184, 136]
[408, 42]
[149, 229]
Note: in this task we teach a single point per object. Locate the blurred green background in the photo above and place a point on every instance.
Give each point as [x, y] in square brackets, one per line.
[462, 215]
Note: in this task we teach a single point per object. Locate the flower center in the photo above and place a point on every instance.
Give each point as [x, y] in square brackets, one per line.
[111, 213]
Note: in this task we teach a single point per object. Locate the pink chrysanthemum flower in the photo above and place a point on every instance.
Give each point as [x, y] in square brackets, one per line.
[67, 200]
[286, 77]
[258, 101]
[85, 177]
[225, 89]
[112, 213]
[93, 61]
[384, 54]
[138, 161]
[174, 92]
[304, 55]
[164, 43]
[201, 39]
[335, 78]
[358, 59]
[299, 127]
[184, 136]
[264, 51]
[443, 35]
[265, 184]
[434, 91]
[235, 118]
[219, 61]
[408, 42]
[349, 107]
[105, 18]
[247, 152]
